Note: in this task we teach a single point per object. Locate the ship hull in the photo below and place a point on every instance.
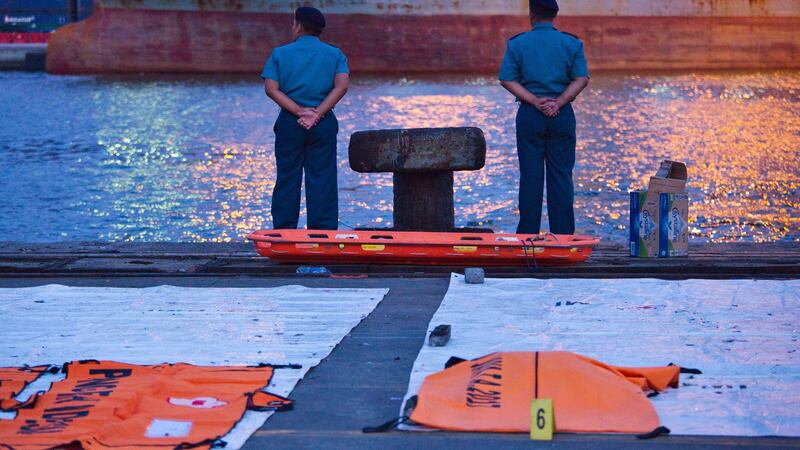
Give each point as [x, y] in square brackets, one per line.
[163, 40]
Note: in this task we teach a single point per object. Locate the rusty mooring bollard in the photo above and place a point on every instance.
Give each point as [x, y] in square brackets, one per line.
[423, 161]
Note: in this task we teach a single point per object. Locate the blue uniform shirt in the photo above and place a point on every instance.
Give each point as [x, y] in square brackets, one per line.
[305, 69]
[544, 60]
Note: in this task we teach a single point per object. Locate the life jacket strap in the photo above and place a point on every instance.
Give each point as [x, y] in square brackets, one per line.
[209, 443]
[688, 370]
[385, 426]
[453, 361]
[11, 405]
[265, 401]
[655, 433]
[279, 366]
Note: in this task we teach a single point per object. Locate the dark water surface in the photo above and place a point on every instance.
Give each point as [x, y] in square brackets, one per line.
[190, 158]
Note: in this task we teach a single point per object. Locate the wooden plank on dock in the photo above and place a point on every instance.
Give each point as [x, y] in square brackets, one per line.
[728, 260]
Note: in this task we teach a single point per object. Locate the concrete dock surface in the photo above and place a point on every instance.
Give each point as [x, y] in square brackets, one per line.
[364, 379]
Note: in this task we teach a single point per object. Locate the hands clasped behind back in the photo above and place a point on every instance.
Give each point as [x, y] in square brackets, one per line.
[548, 106]
[308, 118]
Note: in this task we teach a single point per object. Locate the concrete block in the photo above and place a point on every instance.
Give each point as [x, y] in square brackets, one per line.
[474, 275]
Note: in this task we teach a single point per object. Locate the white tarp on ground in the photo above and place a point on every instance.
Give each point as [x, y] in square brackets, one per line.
[743, 334]
[204, 326]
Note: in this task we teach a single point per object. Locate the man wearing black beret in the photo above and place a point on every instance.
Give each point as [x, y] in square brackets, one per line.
[306, 78]
[545, 69]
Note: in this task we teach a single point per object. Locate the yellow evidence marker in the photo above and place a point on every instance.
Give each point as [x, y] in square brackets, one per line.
[542, 420]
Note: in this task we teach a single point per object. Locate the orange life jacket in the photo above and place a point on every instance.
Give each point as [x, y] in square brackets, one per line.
[494, 393]
[106, 404]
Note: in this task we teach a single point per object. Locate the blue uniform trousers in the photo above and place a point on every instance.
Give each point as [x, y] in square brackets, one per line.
[546, 145]
[313, 151]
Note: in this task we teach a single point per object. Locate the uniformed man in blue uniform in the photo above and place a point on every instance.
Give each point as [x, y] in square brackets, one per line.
[306, 79]
[545, 69]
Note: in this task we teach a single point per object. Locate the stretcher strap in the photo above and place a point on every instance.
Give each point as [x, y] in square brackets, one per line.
[536, 376]
[525, 250]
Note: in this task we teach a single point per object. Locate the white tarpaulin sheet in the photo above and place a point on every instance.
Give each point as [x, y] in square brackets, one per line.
[204, 326]
[743, 334]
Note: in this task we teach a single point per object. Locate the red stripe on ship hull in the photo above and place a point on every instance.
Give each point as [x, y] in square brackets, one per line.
[123, 40]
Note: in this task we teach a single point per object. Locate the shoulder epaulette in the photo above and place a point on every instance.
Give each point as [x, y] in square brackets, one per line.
[516, 36]
[570, 34]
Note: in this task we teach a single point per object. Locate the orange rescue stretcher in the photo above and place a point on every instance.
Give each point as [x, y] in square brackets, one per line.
[424, 248]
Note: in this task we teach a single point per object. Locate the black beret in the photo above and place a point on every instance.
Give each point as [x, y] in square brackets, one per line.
[547, 5]
[309, 15]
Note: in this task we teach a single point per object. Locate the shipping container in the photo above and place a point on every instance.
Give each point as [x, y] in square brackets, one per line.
[32, 22]
[39, 18]
[85, 9]
[35, 6]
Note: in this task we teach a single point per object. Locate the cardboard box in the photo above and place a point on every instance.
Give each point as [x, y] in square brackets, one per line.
[673, 239]
[659, 215]
[670, 177]
[644, 227]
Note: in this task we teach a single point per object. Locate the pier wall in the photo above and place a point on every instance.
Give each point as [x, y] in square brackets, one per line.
[424, 36]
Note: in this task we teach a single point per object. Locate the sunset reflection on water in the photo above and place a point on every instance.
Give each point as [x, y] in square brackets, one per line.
[143, 158]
